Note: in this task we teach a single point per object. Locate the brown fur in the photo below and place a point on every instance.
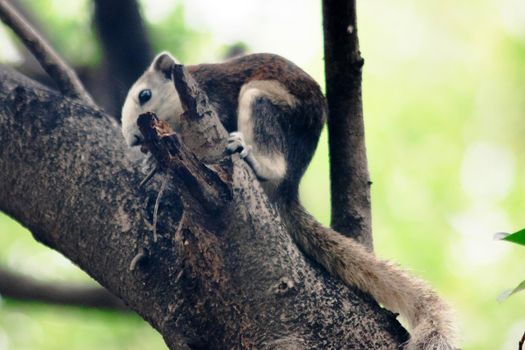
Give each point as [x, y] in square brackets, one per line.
[223, 81]
[428, 315]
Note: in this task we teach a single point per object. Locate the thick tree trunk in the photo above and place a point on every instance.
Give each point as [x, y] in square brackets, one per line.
[223, 273]
[350, 182]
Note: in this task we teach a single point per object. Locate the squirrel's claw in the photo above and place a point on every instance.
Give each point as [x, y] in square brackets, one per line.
[236, 143]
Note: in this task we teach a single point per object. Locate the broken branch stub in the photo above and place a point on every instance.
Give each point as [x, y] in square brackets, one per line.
[201, 129]
[209, 186]
[153, 130]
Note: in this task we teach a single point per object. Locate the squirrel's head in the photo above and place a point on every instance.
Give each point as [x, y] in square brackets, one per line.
[153, 92]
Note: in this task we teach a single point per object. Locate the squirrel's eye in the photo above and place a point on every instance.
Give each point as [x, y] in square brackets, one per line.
[144, 96]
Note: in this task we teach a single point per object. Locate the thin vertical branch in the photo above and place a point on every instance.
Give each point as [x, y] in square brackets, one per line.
[350, 182]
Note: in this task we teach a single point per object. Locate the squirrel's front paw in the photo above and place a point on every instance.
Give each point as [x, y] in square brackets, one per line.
[236, 143]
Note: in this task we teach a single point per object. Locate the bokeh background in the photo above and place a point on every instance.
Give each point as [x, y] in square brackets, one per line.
[444, 103]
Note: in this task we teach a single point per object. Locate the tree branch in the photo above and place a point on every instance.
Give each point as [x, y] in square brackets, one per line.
[225, 275]
[16, 286]
[350, 181]
[65, 78]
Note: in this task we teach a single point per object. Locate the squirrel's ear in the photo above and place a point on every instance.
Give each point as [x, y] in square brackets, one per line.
[163, 63]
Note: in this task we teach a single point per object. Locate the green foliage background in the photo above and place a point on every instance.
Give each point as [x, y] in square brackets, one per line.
[444, 87]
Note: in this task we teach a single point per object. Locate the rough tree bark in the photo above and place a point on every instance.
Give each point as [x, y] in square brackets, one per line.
[15, 285]
[223, 273]
[102, 84]
[350, 181]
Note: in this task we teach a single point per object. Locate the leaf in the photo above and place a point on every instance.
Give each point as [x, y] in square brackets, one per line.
[503, 296]
[516, 237]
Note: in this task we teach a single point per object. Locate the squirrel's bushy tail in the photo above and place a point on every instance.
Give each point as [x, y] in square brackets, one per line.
[429, 317]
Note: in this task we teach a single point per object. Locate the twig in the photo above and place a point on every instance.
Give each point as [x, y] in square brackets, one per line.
[157, 204]
[136, 259]
[181, 221]
[65, 78]
[179, 275]
[522, 341]
[149, 176]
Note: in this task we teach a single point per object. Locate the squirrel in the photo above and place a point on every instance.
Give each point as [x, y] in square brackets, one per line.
[274, 112]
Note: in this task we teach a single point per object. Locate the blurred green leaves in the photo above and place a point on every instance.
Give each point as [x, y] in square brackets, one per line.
[67, 25]
[172, 33]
